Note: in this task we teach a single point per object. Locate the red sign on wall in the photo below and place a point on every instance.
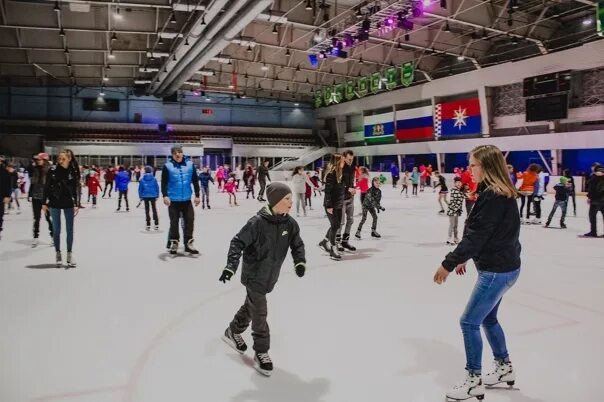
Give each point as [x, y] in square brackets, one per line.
[207, 111]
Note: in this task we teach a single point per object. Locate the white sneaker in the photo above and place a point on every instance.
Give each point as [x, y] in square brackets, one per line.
[536, 221]
[471, 387]
[501, 372]
[70, 261]
[34, 242]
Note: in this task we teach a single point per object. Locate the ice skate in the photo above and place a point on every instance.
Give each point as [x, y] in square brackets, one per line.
[234, 340]
[148, 228]
[173, 247]
[334, 254]
[34, 242]
[58, 260]
[441, 212]
[209, 207]
[455, 241]
[449, 241]
[324, 246]
[375, 234]
[501, 372]
[562, 225]
[190, 249]
[263, 364]
[358, 235]
[547, 224]
[156, 227]
[348, 247]
[70, 261]
[536, 221]
[471, 387]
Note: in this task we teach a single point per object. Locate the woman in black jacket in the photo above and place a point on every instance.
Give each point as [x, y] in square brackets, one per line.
[333, 203]
[491, 239]
[61, 194]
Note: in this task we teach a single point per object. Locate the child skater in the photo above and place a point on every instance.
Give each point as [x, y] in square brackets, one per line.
[93, 187]
[371, 203]
[231, 188]
[415, 177]
[455, 209]
[363, 182]
[204, 183]
[148, 192]
[249, 178]
[264, 242]
[490, 238]
[314, 178]
[563, 191]
[442, 194]
[308, 193]
[405, 182]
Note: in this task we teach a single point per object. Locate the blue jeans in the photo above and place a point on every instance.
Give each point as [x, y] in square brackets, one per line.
[55, 214]
[482, 310]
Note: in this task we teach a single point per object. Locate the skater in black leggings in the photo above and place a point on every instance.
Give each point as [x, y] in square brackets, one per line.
[333, 203]
[572, 194]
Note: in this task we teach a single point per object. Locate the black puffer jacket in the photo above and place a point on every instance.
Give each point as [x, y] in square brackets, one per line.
[595, 192]
[490, 235]
[262, 173]
[348, 180]
[373, 198]
[334, 192]
[264, 242]
[38, 181]
[5, 187]
[61, 189]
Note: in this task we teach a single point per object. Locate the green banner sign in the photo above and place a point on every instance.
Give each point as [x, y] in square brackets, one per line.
[363, 86]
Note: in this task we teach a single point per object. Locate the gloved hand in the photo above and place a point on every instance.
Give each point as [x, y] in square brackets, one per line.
[226, 275]
[382, 208]
[300, 269]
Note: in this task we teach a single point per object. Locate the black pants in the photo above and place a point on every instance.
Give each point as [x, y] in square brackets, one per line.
[395, 180]
[307, 200]
[250, 189]
[528, 199]
[175, 210]
[254, 310]
[537, 206]
[414, 190]
[150, 202]
[363, 195]
[205, 195]
[573, 196]
[1, 212]
[123, 193]
[334, 224]
[108, 185]
[373, 213]
[593, 215]
[37, 208]
[262, 187]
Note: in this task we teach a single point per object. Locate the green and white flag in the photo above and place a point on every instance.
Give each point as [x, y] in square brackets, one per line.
[407, 74]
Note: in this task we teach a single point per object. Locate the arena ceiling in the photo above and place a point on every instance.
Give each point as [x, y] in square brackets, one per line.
[262, 47]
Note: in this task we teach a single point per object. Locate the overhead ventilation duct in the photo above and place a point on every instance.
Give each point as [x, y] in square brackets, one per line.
[207, 41]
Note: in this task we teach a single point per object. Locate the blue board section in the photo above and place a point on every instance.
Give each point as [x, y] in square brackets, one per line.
[472, 126]
[522, 159]
[452, 161]
[580, 160]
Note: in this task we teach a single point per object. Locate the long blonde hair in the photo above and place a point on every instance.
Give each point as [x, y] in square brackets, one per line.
[335, 165]
[494, 170]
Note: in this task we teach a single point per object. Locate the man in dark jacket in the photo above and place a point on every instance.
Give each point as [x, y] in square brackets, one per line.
[262, 174]
[5, 190]
[36, 194]
[264, 242]
[595, 196]
[343, 240]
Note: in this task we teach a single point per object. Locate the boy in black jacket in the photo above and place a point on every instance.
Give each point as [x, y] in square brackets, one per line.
[595, 196]
[562, 190]
[264, 242]
[371, 203]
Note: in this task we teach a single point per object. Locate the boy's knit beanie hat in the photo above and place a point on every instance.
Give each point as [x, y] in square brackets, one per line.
[563, 180]
[148, 169]
[275, 192]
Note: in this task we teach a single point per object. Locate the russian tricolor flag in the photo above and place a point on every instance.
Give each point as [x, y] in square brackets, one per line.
[414, 124]
[457, 118]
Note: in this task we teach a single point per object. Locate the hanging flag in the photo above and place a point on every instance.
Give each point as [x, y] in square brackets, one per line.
[407, 74]
[379, 128]
[461, 117]
[414, 124]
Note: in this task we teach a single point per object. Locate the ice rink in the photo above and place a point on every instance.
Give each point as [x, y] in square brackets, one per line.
[133, 324]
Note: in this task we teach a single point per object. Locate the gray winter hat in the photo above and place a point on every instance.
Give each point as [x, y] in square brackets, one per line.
[175, 148]
[275, 192]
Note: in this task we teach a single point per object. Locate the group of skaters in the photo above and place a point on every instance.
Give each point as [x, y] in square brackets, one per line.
[490, 237]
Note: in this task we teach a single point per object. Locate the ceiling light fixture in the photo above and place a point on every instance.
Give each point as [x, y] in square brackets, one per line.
[514, 4]
[111, 55]
[587, 21]
[113, 37]
[203, 20]
[172, 19]
[174, 57]
[447, 27]
[61, 32]
[275, 31]
[460, 58]
[117, 14]
[264, 67]
[249, 49]
[187, 41]
[57, 8]
[66, 50]
[105, 78]
[308, 5]
[160, 41]
[287, 53]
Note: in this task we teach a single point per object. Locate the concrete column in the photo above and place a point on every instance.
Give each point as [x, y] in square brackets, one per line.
[485, 101]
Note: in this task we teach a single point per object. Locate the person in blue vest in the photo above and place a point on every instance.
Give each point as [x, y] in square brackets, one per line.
[122, 179]
[178, 174]
[148, 192]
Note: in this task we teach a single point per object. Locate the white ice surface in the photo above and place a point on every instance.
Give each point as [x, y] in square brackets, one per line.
[131, 324]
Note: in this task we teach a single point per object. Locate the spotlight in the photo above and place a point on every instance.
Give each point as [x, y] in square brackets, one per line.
[174, 57]
[117, 14]
[187, 41]
[322, 54]
[151, 58]
[275, 31]
[366, 26]
[57, 8]
[514, 4]
[587, 21]
[287, 53]
[264, 67]
[308, 5]
[514, 40]
[61, 32]
[105, 78]
[460, 58]
[111, 55]
[249, 49]
[113, 37]
[447, 27]
[359, 14]
[172, 19]
[296, 104]
[160, 41]
[203, 20]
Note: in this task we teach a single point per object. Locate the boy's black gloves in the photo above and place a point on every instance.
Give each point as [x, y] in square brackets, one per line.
[300, 269]
[382, 208]
[226, 275]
